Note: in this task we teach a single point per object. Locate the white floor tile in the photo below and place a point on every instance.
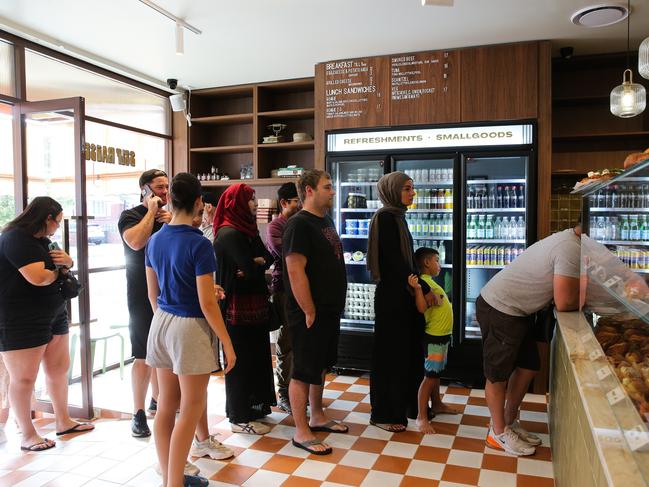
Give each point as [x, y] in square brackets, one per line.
[331, 394]
[282, 431]
[477, 393]
[427, 470]
[399, 449]
[448, 418]
[366, 400]
[100, 483]
[439, 441]
[455, 399]
[538, 398]
[275, 417]
[345, 379]
[312, 469]
[337, 440]
[94, 467]
[241, 439]
[148, 478]
[72, 480]
[491, 478]
[359, 459]
[38, 479]
[452, 484]
[343, 405]
[534, 416]
[332, 484]
[265, 478]
[477, 410]
[252, 458]
[293, 451]
[477, 432]
[123, 472]
[358, 389]
[382, 479]
[539, 468]
[465, 458]
[355, 417]
[208, 466]
[376, 433]
[42, 463]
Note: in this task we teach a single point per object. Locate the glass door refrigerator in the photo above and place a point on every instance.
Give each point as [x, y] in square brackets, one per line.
[499, 215]
[355, 180]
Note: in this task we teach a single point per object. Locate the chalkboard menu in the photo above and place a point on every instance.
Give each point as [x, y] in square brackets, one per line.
[424, 88]
[356, 93]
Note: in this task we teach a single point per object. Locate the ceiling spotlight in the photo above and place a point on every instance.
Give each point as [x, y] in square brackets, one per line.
[439, 3]
[180, 25]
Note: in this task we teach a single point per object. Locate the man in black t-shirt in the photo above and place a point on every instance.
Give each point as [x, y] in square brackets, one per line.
[316, 285]
[136, 227]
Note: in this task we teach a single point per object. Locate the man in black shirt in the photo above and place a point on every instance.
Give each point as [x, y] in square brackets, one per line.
[316, 284]
[136, 227]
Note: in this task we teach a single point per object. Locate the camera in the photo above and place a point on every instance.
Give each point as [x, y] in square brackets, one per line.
[172, 83]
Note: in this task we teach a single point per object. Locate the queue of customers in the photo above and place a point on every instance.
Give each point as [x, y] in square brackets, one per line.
[196, 277]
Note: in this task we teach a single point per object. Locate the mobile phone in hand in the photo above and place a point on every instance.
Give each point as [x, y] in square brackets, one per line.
[147, 192]
[55, 246]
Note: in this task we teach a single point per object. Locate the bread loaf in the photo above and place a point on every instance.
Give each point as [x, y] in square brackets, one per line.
[634, 158]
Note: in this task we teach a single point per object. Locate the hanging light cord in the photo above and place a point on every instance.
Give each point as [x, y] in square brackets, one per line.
[628, 33]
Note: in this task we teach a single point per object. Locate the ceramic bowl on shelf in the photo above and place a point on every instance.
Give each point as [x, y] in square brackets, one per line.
[301, 137]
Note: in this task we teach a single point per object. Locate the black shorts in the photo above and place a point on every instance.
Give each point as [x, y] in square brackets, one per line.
[139, 324]
[315, 349]
[436, 354]
[20, 337]
[507, 342]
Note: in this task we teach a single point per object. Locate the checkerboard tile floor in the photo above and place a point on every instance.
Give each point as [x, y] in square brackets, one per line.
[367, 456]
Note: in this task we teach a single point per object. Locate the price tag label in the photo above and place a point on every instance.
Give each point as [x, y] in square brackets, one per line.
[637, 438]
[595, 354]
[614, 396]
[603, 373]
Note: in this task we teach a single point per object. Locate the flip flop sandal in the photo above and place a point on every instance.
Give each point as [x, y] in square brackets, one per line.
[35, 447]
[306, 444]
[75, 429]
[329, 427]
[389, 427]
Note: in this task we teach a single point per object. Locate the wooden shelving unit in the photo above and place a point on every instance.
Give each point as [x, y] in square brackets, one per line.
[229, 124]
[585, 135]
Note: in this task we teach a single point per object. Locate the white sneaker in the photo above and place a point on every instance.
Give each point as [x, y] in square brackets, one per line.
[190, 469]
[210, 447]
[509, 442]
[525, 435]
[251, 428]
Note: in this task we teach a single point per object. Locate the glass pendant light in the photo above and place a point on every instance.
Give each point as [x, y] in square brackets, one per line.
[643, 59]
[629, 99]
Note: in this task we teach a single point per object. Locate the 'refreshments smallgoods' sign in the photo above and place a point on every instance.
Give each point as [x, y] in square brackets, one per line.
[495, 135]
[102, 153]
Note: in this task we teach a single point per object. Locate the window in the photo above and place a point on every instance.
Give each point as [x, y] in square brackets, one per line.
[7, 85]
[7, 203]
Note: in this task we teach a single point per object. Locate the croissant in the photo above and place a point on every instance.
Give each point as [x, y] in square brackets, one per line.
[619, 348]
[633, 357]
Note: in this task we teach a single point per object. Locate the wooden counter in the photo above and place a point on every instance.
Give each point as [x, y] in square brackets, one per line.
[589, 447]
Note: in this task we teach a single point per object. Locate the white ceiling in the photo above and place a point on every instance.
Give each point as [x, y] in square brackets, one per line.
[247, 41]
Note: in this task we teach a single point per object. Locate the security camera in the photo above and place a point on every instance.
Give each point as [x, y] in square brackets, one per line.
[566, 52]
[172, 83]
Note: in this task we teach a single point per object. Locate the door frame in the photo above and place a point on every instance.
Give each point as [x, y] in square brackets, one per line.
[76, 106]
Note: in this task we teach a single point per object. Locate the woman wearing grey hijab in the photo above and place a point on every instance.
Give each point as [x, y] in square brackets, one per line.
[397, 355]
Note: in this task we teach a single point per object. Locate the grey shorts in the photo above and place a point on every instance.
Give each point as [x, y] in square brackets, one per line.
[187, 346]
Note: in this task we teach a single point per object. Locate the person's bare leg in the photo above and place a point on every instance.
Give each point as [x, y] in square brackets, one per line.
[298, 392]
[318, 415]
[495, 396]
[140, 378]
[22, 366]
[438, 406]
[166, 418]
[193, 400]
[517, 387]
[425, 390]
[56, 362]
[202, 428]
[155, 390]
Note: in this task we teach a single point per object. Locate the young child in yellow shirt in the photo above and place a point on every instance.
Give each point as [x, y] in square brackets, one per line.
[438, 313]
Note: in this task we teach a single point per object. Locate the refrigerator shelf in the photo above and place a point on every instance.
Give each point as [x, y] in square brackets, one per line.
[430, 210]
[344, 235]
[446, 266]
[496, 181]
[485, 266]
[358, 210]
[356, 263]
[363, 183]
[640, 243]
[618, 210]
[430, 184]
[432, 237]
[356, 322]
[498, 241]
[495, 210]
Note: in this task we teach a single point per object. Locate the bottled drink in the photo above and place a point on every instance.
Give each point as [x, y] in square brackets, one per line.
[614, 197]
[644, 229]
[438, 225]
[445, 226]
[520, 228]
[418, 225]
[506, 198]
[498, 227]
[499, 197]
[600, 199]
[481, 227]
[470, 199]
[634, 230]
[489, 228]
[645, 197]
[607, 198]
[632, 198]
[491, 198]
[512, 197]
[442, 252]
[521, 197]
[441, 199]
[612, 226]
[471, 231]
[624, 231]
[448, 199]
[425, 227]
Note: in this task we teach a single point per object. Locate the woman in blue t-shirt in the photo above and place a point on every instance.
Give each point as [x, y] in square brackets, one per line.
[180, 264]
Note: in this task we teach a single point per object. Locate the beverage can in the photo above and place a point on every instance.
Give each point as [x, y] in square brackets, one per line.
[470, 255]
[501, 256]
[508, 255]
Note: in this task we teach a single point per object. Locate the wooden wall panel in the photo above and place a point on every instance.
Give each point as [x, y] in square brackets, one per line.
[319, 120]
[425, 88]
[544, 145]
[357, 93]
[500, 82]
[180, 142]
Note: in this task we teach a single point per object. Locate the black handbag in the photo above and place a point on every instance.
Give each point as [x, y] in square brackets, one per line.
[69, 287]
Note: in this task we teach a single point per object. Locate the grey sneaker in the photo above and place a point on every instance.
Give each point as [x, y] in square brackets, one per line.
[210, 447]
[190, 469]
[251, 428]
[525, 435]
[509, 442]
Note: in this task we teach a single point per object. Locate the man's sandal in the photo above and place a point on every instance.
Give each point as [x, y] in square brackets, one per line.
[306, 444]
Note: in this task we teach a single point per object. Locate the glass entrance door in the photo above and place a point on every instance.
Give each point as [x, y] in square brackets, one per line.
[53, 139]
